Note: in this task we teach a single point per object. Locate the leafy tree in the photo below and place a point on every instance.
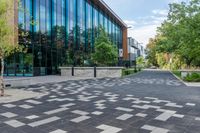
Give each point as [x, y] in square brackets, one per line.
[105, 52]
[151, 52]
[140, 61]
[179, 34]
[7, 47]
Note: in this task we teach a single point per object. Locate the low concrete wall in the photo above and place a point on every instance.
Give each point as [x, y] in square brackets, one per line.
[184, 73]
[89, 71]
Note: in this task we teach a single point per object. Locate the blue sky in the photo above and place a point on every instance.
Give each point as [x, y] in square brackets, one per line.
[144, 16]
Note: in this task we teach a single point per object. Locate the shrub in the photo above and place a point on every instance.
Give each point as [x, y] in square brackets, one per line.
[126, 72]
[106, 53]
[194, 77]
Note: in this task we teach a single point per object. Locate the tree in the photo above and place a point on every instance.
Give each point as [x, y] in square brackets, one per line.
[105, 52]
[151, 52]
[140, 61]
[178, 36]
[7, 47]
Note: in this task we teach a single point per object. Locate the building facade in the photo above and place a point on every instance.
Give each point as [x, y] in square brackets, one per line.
[135, 50]
[61, 32]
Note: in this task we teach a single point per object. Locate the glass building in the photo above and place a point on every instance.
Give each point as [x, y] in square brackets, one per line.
[59, 33]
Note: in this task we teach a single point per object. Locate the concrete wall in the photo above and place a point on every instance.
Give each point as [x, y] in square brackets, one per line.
[101, 72]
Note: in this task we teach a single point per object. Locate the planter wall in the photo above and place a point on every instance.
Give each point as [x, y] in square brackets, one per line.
[90, 71]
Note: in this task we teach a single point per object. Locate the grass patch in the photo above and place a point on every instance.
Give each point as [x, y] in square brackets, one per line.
[192, 77]
[129, 71]
[177, 73]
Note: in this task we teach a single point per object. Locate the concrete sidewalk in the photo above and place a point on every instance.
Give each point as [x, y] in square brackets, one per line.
[26, 81]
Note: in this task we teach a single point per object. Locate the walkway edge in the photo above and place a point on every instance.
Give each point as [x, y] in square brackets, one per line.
[185, 83]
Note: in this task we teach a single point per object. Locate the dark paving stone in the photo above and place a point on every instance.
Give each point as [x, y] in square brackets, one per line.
[158, 84]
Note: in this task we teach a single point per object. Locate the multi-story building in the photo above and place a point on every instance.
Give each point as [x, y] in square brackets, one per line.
[60, 32]
[135, 50]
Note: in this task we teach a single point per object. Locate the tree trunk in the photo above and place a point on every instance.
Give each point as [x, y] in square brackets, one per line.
[1, 78]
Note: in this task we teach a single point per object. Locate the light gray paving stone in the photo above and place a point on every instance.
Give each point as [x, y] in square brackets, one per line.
[9, 114]
[140, 107]
[197, 118]
[100, 101]
[58, 131]
[9, 105]
[99, 104]
[65, 99]
[190, 104]
[14, 123]
[44, 121]
[113, 101]
[31, 117]
[55, 111]
[68, 105]
[33, 102]
[112, 130]
[101, 108]
[160, 130]
[130, 95]
[103, 127]
[80, 119]
[53, 96]
[108, 129]
[140, 101]
[25, 106]
[164, 116]
[161, 101]
[97, 113]
[80, 112]
[151, 98]
[148, 127]
[124, 117]
[124, 109]
[141, 115]
[173, 105]
[178, 115]
[129, 98]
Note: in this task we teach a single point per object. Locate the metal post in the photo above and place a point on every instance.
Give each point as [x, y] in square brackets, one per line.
[73, 71]
[95, 71]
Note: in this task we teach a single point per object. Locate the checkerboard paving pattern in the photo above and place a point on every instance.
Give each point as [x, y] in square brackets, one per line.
[88, 106]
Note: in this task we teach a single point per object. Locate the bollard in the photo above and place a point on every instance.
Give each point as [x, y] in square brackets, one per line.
[73, 71]
[95, 71]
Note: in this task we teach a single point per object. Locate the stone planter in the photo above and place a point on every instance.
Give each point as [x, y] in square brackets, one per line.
[101, 72]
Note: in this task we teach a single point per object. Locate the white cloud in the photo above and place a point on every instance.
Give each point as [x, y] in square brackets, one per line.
[160, 12]
[174, 1]
[145, 28]
[130, 23]
[144, 33]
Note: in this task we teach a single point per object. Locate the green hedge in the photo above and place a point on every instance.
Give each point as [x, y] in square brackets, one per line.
[194, 77]
[126, 72]
[177, 73]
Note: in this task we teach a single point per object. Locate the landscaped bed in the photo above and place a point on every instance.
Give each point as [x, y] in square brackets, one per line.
[190, 77]
[129, 71]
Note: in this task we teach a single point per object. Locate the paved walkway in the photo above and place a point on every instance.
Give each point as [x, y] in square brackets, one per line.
[149, 102]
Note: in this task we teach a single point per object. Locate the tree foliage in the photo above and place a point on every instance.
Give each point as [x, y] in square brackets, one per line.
[7, 46]
[179, 34]
[106, 53]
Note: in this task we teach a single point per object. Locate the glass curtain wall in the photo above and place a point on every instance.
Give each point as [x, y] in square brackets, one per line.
[63, 34]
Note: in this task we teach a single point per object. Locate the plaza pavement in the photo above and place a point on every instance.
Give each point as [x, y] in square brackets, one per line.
[149, 102]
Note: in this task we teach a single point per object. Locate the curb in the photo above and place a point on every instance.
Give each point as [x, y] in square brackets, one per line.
[128, 76]
[185, 83]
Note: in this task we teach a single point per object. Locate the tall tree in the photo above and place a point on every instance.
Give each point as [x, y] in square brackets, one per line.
[180, 32]
[105, 52]
[7, 47]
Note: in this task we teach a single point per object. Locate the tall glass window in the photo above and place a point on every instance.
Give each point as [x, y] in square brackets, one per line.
[62, 29]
